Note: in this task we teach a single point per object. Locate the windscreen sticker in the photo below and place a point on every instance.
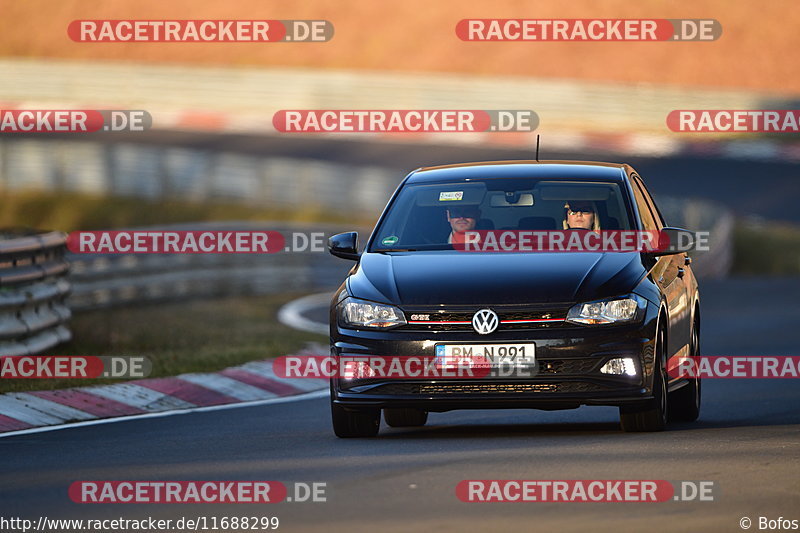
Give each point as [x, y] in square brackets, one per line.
[451, 196]
[390, 240]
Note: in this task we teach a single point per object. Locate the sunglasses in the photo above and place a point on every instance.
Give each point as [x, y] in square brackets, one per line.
[575, 210]
[463, 213]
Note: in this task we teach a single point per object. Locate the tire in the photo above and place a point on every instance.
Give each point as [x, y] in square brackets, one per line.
[355, 424]
[405, 417]
[684, 403]
[652, 417]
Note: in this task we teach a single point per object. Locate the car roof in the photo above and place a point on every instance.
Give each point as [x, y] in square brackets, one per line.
[590, 170]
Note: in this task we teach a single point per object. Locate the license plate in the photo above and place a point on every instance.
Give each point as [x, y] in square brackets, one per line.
[486, 355]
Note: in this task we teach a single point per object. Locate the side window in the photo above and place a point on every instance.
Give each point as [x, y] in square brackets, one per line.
[648, 221]
[651, 202]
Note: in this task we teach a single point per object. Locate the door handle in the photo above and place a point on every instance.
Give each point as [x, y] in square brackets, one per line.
[681, 272]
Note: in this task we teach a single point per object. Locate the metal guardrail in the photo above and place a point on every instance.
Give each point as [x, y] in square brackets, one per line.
[211, 175]
[33, 289]
[109, 280]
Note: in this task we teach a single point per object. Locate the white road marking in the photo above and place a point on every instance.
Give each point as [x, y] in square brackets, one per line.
[291, 314]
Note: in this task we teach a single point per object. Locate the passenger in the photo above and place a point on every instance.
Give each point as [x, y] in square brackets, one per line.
[581, 214]
[462, 219]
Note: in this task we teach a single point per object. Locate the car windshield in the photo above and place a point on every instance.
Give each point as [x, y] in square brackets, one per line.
[428, 216]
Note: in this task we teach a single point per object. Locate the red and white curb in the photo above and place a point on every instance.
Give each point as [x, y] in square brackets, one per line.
[248, 384]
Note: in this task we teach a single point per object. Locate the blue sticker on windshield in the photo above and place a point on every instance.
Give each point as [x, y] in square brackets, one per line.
[390, 241]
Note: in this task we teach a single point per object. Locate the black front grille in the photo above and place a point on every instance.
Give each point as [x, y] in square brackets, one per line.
[540, 317]
[438, 389]
[486, 388]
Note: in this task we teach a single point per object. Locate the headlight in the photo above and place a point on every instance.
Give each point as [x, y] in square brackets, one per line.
[360, 313]
[628, 308]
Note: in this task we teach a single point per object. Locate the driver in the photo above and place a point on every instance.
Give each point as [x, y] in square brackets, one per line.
[462, 219]
[581, 214]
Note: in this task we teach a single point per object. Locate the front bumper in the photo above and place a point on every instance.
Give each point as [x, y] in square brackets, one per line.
[568, 360]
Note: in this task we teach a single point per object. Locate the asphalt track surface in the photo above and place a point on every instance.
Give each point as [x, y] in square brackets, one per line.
[747, 442]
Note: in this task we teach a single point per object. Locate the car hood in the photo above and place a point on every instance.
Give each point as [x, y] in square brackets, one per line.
[458, 278]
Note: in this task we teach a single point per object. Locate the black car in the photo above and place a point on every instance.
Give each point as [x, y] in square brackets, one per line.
[597, 327]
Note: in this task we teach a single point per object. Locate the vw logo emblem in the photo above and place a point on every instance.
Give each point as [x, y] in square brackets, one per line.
[485, 321]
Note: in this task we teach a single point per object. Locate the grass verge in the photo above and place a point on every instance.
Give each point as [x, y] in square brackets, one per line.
[766, 249]
[72, 212]
[193, 336]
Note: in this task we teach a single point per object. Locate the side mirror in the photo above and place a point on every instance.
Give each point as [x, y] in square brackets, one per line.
[344, 245]
[675, 241]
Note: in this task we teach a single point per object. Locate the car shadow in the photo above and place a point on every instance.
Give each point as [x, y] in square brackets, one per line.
[482, 431]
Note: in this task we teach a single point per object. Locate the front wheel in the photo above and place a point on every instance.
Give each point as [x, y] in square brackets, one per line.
[684, 403]
[354, 424]
[652, 417]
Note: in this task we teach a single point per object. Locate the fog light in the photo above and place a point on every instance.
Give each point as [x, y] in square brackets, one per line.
[358, 370]
[620, 366]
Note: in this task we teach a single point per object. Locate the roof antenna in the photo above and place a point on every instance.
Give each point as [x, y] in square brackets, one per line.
[537, 147]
